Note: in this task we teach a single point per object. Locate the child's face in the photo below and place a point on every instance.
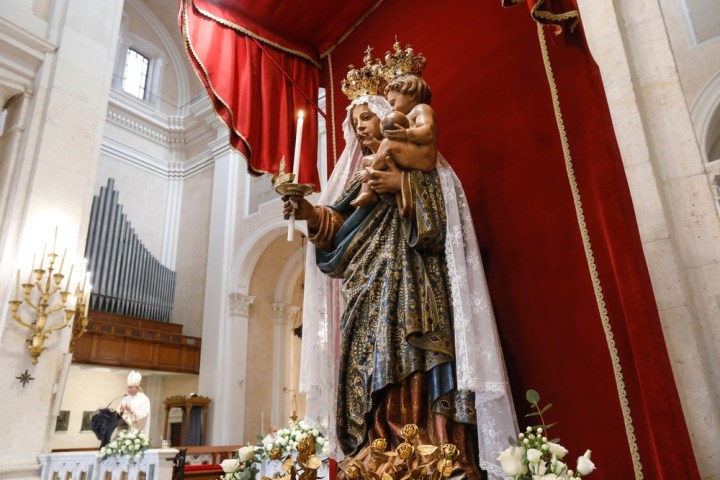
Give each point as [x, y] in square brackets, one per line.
[401, 102]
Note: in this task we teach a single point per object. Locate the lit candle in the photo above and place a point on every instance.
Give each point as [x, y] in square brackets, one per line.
[54, 240]
[296, 172]
[62, 262]
[42, 259]
[32, 269]
[17, 285]
[262, 421]
[298, 144]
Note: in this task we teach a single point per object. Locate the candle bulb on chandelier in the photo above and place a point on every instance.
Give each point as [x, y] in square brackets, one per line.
[67, 285]
[42, 259]
[62, 261]
[32, 269]
[54, 240]
[17, 285]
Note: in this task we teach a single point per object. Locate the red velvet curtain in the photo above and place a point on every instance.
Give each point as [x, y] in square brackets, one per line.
[257, 82]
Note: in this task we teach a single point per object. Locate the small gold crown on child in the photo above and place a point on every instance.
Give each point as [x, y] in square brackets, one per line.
[374, 75]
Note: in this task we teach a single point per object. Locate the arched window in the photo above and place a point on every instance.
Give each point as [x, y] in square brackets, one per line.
[135, 73]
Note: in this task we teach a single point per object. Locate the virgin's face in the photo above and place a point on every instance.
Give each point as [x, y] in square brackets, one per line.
[365, 123]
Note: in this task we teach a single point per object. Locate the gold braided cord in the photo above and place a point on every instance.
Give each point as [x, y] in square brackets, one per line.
[546, 15]
[332, 109]
[599, 298]
[247, 32]
[351, 29]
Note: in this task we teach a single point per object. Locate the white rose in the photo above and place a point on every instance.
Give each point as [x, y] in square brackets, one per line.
[246, 453]
[559, 467]
[534, 455]
[584, 465]
[558, 450]
[511, 461]
[230, 465]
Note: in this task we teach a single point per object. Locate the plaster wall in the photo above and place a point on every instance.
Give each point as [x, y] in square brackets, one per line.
[143, 196]
[192, 252]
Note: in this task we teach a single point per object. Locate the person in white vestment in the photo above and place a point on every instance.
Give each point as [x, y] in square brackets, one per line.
[135, 407]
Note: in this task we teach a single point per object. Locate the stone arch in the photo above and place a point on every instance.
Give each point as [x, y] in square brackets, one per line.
[705, 113]
[252, 248]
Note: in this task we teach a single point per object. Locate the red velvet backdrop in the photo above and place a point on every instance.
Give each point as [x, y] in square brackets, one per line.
[498, 130]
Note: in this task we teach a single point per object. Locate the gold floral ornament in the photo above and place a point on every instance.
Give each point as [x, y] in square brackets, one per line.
[370, 79]
[306, 465]
[409, 461]
[402, 61]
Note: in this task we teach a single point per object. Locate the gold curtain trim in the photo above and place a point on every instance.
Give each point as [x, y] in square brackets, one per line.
[247, 32]
[352, 29]
[332, 109]
[609, 336]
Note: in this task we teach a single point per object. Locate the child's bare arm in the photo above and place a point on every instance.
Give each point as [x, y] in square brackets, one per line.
[423, 130]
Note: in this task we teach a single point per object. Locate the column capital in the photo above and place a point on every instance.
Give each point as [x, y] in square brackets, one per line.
[240, 304]
[284, 314]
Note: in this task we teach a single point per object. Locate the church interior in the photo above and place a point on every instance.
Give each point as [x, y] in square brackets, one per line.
[137, 148]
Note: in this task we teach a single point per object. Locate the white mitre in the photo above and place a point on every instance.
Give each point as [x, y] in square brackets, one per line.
[134, 378]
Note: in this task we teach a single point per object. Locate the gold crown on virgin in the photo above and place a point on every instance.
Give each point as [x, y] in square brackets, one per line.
[366, 80]
[374, 75]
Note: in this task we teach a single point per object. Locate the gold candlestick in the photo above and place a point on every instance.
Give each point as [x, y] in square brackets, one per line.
[284, 184]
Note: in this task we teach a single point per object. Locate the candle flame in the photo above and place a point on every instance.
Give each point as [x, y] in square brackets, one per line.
[301, 114]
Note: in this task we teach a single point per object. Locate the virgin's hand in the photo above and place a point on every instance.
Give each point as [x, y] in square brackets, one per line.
[385, 181]
[304, 210]
[368, 141]
[398, 133]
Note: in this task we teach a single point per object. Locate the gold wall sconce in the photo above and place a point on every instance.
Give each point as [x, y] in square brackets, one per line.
[48, 306]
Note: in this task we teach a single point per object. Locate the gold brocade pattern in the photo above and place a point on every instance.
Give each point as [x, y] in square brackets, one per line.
[398, 311]
[599, 297]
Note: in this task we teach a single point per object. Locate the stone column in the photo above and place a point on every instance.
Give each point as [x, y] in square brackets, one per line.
[66, 63]
[283, 317]
[216, 331]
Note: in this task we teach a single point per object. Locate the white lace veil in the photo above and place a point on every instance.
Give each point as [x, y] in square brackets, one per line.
[479, 361]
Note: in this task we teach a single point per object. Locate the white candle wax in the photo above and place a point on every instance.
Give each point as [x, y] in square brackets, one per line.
[298, 145]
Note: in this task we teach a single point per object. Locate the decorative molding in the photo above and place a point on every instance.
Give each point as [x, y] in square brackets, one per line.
[240, 304]
[283, 314]
[23, 54]
[136, 126]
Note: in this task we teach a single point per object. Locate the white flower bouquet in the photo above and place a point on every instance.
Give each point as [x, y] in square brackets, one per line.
[244, 466]
[533, 457]
[126, 444]
[287, 439]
